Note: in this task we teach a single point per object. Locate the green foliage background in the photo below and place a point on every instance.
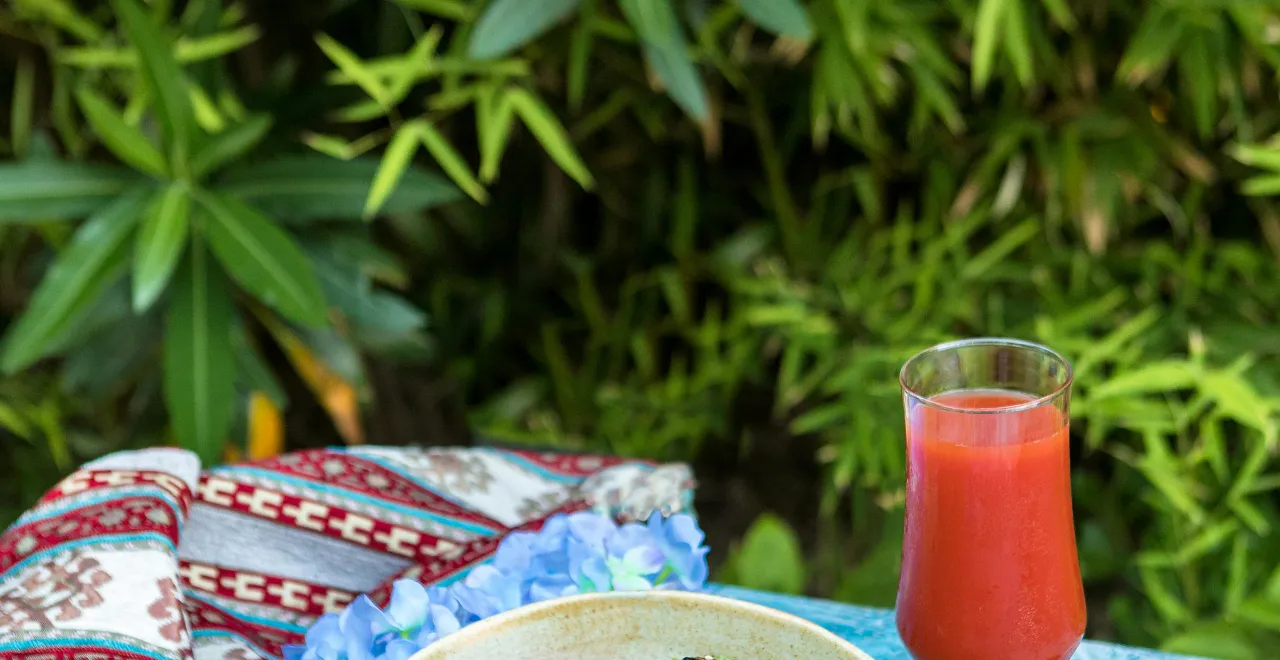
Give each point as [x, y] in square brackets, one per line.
[705, 230]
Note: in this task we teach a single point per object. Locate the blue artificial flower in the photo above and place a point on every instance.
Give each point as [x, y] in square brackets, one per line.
[577, 553]
[418, 614]
[680, 540]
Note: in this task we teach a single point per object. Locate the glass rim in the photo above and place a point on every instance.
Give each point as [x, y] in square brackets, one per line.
[987, 341]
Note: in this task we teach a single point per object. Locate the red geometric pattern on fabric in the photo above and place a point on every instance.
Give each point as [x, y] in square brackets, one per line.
[90, 480]
[570, 465]
[264, 589]
[368, 478]
[204, 616]
[127, 515]
[220, 491]
[473, 553]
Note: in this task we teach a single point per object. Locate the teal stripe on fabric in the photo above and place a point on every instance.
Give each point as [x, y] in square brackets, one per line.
[118, 493]
[537, 469]
[95, 540]
[80, 642]
[270, 623]
[361, 497]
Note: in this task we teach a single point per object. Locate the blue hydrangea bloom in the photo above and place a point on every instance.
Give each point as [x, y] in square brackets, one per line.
[577, 553]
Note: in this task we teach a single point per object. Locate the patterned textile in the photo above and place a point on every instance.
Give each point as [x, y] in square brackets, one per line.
[140, 555]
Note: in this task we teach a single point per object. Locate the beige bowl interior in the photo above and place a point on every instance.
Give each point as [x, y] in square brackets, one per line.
[652, 625]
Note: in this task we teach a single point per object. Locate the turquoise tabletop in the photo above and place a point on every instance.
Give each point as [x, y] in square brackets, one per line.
[873, 630]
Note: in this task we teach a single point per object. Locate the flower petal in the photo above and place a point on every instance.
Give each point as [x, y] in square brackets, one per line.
[408, 609]
[644, 560]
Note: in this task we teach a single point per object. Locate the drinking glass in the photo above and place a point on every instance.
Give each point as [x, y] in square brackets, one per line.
[989, 565]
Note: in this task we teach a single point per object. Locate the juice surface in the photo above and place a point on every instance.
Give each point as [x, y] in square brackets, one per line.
[989, 564]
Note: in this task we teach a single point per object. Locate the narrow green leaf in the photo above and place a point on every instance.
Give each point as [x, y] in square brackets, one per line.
[509, 24]
[785, 18]
[1150, 49]
[1238, 574]
[986, 33]
[1262, 186]
[312, 187]
[348, 63]
[667, 53]
[199, 364]
[124, 140]
[23, 101]
[1218, 639]
[1210, 539]
[451, 162]
[35, 191]
[395, 161]
[551, 135]
[1237, 398]
[94, 258]
[1198, 72]
[1164, 376]
[160, 244]
[1017, 43]
[230, 145]
[1061, 14]
[1262, 612]
[263, 259]
[207, 115]
[1258, 155]
[1001, 248]
[494, 117]
[164, 79]
[580, 56]
[457, 10]
[216, 45]
[1215, 449]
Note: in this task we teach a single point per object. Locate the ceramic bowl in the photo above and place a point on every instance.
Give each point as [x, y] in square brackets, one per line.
[645, 625]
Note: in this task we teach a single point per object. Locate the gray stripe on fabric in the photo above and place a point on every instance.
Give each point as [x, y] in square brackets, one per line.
[238, 541]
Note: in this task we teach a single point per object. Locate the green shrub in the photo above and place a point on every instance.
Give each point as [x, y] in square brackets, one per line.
[678, 211]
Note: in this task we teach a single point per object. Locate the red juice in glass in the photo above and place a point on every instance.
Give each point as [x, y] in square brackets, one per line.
[989, 568]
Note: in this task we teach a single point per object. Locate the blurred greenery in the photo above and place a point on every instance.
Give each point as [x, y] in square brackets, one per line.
[707, 230]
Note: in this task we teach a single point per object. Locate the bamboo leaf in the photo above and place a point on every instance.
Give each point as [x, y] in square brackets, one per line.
[263, 259]
[509, 24]
[164, 78]
[1164, 376]
[199, 366]
[494, 116]
[124, 140]
[38, 190]
[452, 162]
[667, 53]
[1017, 43]
[93, 259]
[1149, 51]
[230, 145]
[551, 135]
[986, 32]
[354, 68]
[21, 106]
[312, 187]
[394, 163]
[785, 18]
[160, 243]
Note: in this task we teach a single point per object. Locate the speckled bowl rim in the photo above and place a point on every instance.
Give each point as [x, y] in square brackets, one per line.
[469, 634]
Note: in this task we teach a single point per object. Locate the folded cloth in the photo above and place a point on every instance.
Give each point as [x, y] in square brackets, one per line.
[140, 555]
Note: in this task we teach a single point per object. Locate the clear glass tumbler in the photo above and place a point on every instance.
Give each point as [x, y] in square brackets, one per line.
[989, 565]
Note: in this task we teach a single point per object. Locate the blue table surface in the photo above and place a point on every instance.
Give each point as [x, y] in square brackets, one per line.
[874, 631]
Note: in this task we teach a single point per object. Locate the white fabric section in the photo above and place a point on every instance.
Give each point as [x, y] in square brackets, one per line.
[178, 462]
[103, 588]
[235, 540]
[480, 479]
[224, 648]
